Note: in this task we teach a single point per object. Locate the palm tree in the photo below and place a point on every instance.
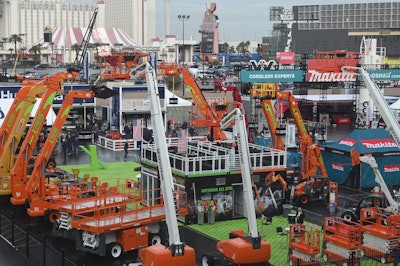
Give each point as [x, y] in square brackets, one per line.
[225, 47]
[3, 41]
[15, 38]
[76, 48]
[36, 49]
[243, 47]
[231, 50]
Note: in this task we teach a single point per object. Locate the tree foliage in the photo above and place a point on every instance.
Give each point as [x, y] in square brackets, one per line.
[243, 48]
[3, 41]
[225, 47]
[15, 38]
[37, 50]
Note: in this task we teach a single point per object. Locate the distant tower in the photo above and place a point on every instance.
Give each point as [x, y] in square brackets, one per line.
[166, 17]
[209, 34]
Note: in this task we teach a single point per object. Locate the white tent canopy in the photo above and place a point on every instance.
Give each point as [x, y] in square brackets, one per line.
[68, 36]
[395, 105]
[181, 102]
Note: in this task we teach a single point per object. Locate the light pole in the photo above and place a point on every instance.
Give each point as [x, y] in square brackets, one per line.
[183, 18]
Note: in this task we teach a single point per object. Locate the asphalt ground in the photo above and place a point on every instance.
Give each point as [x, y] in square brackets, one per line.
[12, 256]
[315, 213]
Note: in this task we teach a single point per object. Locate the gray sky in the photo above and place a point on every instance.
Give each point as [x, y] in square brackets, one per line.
[239, 19]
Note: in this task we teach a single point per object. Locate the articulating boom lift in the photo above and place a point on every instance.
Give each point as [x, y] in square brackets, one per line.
[33, 187]
[177, 254]
[14, 125]
[211, 113]
[13, 128]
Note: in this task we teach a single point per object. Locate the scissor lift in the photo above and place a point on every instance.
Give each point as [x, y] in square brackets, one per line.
[380, 232]
[304, 245]
[342, 240]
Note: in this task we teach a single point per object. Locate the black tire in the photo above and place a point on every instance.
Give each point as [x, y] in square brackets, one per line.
[155, 239]
[304, 200]
[54, 229]
[114, 250]
[349, 216]
[207, 260]
[53, 216]
[51, 162]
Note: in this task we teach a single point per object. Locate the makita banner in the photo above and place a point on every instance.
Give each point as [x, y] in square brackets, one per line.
[376, 75]
[378, 143]
[337, 166]
[316, 76]
[391, 168]
[347, 141]
[285, 58]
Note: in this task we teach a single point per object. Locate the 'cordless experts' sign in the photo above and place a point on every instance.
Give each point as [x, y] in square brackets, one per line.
[271, 76]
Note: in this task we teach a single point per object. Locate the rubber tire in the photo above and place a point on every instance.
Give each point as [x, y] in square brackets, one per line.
[207, 260]
[349, 216]
[154, 239]
[53, 216]
[114, 250]
[304, 200]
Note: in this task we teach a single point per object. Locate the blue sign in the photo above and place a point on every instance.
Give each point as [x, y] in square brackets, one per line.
[271, 76]
[86, 67]
[153, 60]
[384, 74]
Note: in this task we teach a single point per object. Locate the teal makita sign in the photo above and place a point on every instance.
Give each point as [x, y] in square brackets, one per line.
[272, 76]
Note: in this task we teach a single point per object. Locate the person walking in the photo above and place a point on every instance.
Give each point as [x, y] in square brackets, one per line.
[126, 146]
[70, 142]
[64, 146]
[396, 254]
[300, 216]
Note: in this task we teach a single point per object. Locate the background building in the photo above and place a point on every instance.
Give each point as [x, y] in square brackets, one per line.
[137, 18]
[309, 28]
[30, 18]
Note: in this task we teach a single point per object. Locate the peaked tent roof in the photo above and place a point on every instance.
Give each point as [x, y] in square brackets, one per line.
[395, 105]
[68, 36]
[366, 141]
[180, 101]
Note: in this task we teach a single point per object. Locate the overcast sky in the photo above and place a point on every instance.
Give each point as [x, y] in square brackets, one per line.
[239, 19]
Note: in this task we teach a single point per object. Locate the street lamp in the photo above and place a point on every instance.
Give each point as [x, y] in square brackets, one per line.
[183, 18]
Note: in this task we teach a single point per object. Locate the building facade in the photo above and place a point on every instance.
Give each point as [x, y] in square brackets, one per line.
[309, 28]
[30, 18]
[137, 18]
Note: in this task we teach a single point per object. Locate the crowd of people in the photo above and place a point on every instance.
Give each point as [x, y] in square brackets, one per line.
[69, 144]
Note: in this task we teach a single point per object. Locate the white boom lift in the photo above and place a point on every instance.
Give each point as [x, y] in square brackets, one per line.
[392, 126]
[242, 250]
[391, 122]
[177, 254]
